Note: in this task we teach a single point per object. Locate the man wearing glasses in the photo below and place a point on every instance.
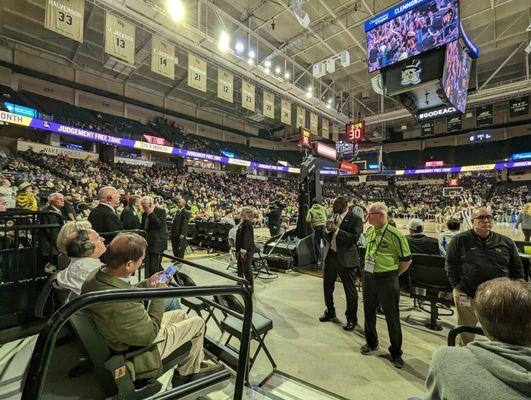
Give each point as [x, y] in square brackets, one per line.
[476, 256]
[387, 256]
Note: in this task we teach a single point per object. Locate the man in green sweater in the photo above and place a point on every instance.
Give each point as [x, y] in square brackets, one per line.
[128, 323]
[316, 218]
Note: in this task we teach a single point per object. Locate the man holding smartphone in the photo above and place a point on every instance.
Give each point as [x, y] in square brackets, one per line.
[341, 258]
[127, 323]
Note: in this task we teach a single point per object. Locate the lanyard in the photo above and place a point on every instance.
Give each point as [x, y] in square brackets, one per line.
[373, 255]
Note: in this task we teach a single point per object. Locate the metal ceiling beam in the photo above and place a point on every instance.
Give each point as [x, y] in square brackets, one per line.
[501, 65]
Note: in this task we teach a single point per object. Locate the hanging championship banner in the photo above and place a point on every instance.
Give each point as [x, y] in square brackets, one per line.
[162, 57]
[197, 73]
[285, 112]
[65, 17]
[225, 85]
[269, 105]
[119, 38]
[314, 123]
[248, 95]
[427, 128]
[335, 132]
[519, 107]
[301, 117]
[325, 128]
[454, 123]
[484, 116]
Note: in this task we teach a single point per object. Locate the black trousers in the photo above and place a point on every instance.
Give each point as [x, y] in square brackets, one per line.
[318, 234]
[382, 288]
[178, 247]
[274, 230]
[245, 269]
[348, 278]
[527, 234]
[154, 266]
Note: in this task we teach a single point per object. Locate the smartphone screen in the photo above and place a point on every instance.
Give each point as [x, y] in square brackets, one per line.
[167, 274]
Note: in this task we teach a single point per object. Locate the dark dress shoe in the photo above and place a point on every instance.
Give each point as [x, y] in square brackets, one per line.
[327, 317]
[349, 326]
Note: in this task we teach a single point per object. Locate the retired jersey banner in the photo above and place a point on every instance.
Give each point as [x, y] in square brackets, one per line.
[197, 73]
[65, 17]
[269, 105]
[248, 95]
[335, 132]
[225, 85]
[162, 57]
[325, 128]
[119, 38]
[285, 112]
[301, 117]
[314, 123]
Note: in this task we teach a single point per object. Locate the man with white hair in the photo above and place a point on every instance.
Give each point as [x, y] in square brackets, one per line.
[48, 236]
[154, 223]
[7, 192]
[103, 217]
[386, 258]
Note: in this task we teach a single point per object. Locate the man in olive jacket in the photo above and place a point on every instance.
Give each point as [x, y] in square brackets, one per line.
[128, 323]
[316, 217]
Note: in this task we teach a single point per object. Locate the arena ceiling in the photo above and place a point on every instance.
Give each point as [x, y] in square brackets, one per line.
[272, 31]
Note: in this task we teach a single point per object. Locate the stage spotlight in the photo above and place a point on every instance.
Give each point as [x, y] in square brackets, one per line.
[278, 70]
[239, 47]
[224, 42]
[175, 10]
[267, 63]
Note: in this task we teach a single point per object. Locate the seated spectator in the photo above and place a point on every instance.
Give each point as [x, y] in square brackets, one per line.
[418, 242]
[228, 218]
[7, 192]
[452, 228]
[84, 247]
[25, 197]
[499, 368]
[127, 323]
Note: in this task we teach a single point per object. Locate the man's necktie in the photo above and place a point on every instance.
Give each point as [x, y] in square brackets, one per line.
[334, 243]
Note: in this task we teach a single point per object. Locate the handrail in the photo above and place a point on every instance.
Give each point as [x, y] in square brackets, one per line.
[34, 383]
[452, 335]
[207, 269]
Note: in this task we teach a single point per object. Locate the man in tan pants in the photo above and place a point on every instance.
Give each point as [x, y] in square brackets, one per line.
[128, 323]
[476, 256]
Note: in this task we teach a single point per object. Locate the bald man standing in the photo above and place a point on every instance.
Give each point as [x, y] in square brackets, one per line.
[103, 217]
[476, 256]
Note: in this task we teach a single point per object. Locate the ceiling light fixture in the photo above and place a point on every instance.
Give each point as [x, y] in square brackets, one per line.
[175, 10]
[278, 70]
[250, 61]
[240, 47]
[266, 70]
[286, 75]
[224, 42]
[267, 63]
[251, 54]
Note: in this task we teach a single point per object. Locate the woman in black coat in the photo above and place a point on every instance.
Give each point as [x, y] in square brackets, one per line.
[245, 245]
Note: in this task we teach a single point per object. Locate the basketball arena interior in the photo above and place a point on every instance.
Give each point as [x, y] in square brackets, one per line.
[254, 199]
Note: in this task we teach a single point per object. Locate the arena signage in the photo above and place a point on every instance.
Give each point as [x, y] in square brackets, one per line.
[439, 112]
[484, 116]
[392, 13]
[427, 128]
[519, 107]
[454, 123]
[326, 151]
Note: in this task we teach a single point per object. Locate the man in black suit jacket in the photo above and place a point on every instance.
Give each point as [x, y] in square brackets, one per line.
[418, 242]
[341, 258]
[154, 223]
[179, 229]
[273, 219]
[129, 215]
[103, 217]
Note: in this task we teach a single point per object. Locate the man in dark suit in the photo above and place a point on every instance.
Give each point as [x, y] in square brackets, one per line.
[154, 223]
[341, 258]
[129, 215]
[273, 219]
[418, 242]
[48, 236]
[103, 217]
[179, 229]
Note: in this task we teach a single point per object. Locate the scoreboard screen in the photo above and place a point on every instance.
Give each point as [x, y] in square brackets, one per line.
[355, 131]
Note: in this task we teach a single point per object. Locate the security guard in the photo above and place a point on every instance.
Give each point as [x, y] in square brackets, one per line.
[386, 258]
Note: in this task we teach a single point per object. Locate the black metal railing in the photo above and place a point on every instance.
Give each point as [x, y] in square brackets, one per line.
[35, 379]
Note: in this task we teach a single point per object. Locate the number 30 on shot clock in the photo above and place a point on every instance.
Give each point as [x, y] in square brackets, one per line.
[355, 131]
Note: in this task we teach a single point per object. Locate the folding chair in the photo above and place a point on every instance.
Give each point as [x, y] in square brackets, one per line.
[194, 303]
[260, 266]
[260, 326]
